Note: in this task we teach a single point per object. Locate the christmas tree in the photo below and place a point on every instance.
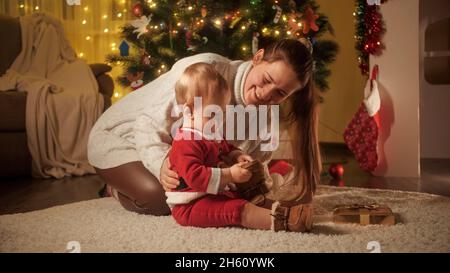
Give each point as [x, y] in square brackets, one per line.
[167, 30]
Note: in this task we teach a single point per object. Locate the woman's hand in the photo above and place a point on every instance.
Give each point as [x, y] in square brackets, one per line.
[239, 174]
[168, 178]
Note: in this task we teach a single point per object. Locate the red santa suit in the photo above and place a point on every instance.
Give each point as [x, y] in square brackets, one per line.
[198, 201]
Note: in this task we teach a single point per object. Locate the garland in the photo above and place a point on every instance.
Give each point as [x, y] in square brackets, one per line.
[369, 28]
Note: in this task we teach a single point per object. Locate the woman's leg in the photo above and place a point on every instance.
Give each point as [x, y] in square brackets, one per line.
[138, 189]
[256, 217]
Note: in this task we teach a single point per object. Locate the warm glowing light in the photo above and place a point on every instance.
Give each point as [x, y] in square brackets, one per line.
[244, 48]
[243, 27]
[190, 8]
[288, 32]
[36, 8]
[106, 30]
[264, 30]
[116, 95]
[21, 6]
[81, 55]
[105, 16]
[179, 24]
[277, 32]
[86, 8]
[84, 22]
[88, 38]
[119, 14]
[218, 22]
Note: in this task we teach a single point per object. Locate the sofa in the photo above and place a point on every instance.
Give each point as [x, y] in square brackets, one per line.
[15, 158]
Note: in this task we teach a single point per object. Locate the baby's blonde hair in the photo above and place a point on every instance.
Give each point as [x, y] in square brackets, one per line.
[201, 80]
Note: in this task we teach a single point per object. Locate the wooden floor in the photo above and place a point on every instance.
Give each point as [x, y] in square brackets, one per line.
[26, 194]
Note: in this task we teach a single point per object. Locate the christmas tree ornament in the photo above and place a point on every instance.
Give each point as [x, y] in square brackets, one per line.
[188, 37]
[204, 11]
[279, 10]
[336, 170]
[361, 134]
[255, 42]
[309, 21]
[124, 49]
[141, 24]
[135, 79]
[137, 10]
[146, 59]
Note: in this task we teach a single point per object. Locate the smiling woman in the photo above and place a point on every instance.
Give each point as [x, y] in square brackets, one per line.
[285, 70]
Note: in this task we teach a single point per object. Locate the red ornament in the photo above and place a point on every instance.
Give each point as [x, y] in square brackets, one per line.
[137, 10]
[336, 170]
[309, 21]
[135, 79]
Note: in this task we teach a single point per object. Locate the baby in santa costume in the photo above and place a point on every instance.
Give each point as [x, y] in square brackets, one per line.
[202, 199]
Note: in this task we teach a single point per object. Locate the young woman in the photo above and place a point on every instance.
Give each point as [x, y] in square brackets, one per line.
[129, 144]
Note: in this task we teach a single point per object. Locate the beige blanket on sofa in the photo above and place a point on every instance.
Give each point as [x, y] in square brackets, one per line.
[63, 101]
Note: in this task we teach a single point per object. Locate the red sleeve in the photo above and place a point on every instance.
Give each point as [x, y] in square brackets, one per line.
[187, 158]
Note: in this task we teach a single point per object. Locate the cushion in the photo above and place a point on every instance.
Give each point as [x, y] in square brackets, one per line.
[12, 111]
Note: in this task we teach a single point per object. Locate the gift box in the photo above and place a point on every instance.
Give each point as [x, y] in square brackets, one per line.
[373, 214]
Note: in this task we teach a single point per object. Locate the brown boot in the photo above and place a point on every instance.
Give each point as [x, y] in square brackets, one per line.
[255, 189]
[297, 218]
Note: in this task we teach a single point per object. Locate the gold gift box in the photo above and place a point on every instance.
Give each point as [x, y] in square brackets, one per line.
[373, 214]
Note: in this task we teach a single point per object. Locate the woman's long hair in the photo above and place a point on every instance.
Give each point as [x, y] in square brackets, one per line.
[301, 113]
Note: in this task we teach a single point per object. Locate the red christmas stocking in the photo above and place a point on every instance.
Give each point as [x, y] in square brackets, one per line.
[361, 134]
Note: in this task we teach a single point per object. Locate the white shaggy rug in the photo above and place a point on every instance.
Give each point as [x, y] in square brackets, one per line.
[101, 225]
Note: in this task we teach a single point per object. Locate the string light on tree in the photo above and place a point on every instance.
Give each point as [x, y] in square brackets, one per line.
[234, 29]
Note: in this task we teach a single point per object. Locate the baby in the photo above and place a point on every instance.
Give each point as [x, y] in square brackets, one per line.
[202, 198]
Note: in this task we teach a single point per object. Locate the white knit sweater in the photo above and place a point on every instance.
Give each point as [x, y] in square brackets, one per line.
[137, 128]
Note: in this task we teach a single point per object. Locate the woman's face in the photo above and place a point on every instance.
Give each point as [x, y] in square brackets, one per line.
[269, 83]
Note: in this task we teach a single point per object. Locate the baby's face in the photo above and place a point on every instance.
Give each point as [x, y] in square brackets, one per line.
[210, 117]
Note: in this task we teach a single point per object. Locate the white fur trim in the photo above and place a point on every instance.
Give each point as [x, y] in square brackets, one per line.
[272, 212]
[175, 198]
[214, 181]
[372, 99]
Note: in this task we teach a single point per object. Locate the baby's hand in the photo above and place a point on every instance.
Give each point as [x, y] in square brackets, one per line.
[239, 174]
